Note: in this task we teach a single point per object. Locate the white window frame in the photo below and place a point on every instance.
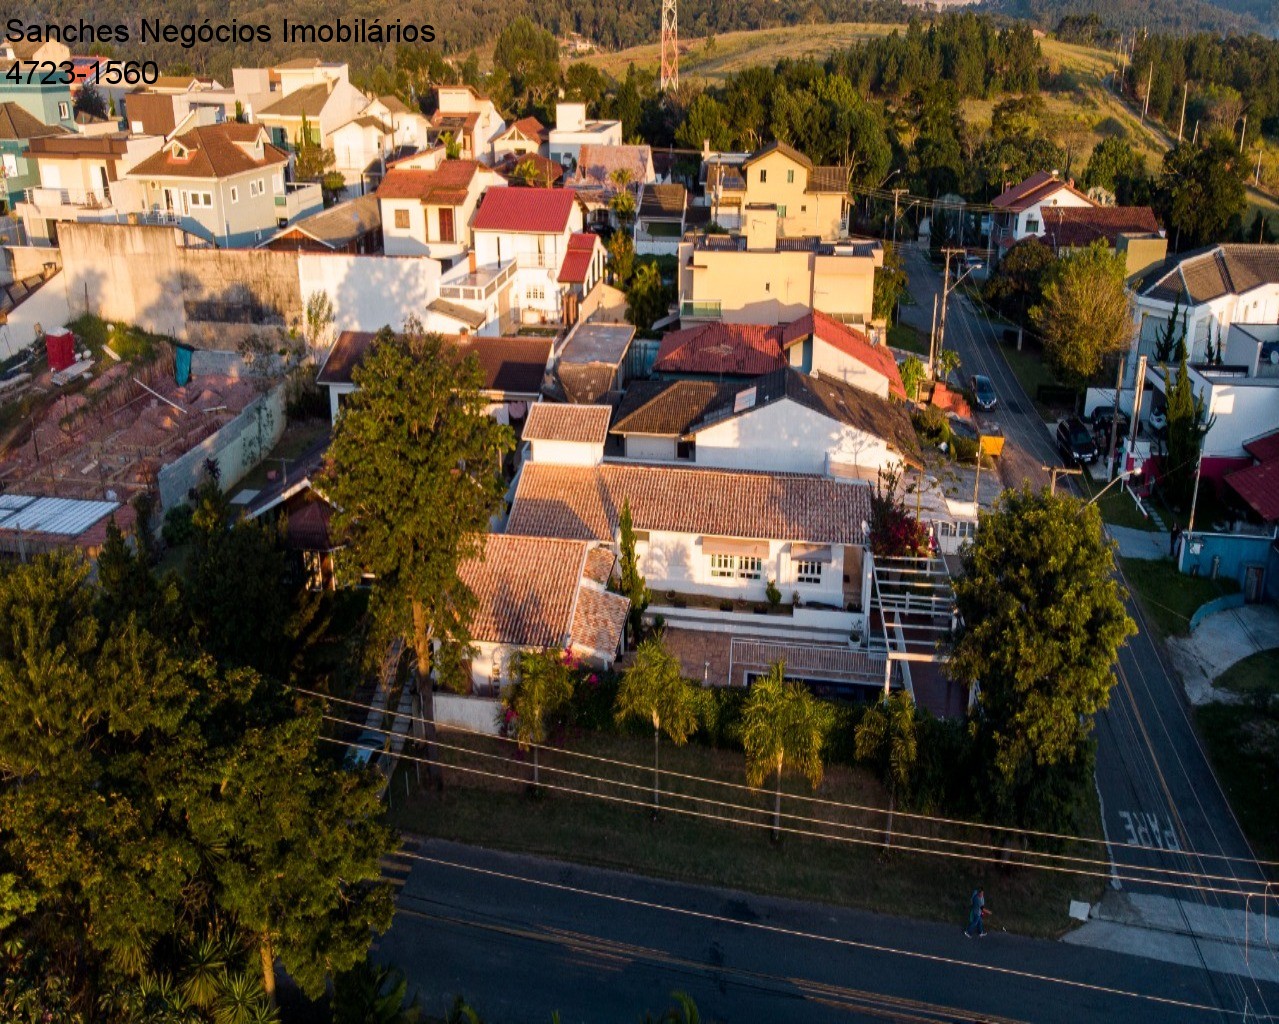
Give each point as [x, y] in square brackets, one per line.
[808, 571]
[723, 566]
[235, 194]
[277, 184]
[790, 176]
[64, 110]
[255, 189]
[750, 567]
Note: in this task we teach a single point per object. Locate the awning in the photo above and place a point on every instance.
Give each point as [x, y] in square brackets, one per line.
[727, 546]
[810, 552]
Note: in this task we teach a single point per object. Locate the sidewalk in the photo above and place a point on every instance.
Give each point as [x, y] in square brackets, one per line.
[1186, 933]
[1149, 545]
[1220, 641]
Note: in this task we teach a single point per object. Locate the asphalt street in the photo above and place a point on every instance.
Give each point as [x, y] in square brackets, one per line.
[521, 938]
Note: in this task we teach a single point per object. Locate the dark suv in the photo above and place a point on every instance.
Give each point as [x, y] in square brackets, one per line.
[1076, 442]
[1104, 415]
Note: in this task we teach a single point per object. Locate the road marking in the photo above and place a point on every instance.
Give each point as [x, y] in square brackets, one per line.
[1144, 830]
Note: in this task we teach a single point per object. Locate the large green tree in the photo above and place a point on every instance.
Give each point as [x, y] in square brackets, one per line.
[413, 474]
[1041, 623]
[784, 725]
[646, 297]
[1201, 192]
[632, 584]
[1086, 312]
[886, 738]
[890, 285]
[1188, 422]
[653, 689]
[1016, 286]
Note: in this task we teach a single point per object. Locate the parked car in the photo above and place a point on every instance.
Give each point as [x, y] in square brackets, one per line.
[983, 392]
[366, 749]
[1104, 415]
[1076, 442]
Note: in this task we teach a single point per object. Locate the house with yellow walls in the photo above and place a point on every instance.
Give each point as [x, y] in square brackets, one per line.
[811, 201]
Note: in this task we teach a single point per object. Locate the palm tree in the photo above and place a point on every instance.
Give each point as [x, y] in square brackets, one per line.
[373, 994]
[654, 689]
[544, 685]
[886, 735]
[783, 724]
[623, 201]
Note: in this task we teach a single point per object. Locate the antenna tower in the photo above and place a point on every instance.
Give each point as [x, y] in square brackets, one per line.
[670, 45]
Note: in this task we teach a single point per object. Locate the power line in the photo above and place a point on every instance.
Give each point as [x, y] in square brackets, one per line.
[934, 958]
[648, 769]
[645, 804]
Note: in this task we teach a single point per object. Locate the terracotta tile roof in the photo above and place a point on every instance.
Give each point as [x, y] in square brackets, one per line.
[533, 210]
[584, 502]
[307, 527]
[1210, 273]
[455, 123]
[599, 565]
[395, 105]
[663, 202]
[848, 340]
[547, 172]
[780, 147]
[511, 366]
[16, 123]
[525, 589]
[305, 102]
[585, 383]
[214, 151]
[1035, 189]
[726, 176]
[741, 350]
[599, 619]
[550, 421]
[446, 186]
[596, 164]
[841, 402]
[577, 259]
[667, 408]
[528, 127]
[1077, 226]
[827, 179]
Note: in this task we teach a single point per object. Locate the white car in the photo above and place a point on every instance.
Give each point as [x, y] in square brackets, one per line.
[1158, 420]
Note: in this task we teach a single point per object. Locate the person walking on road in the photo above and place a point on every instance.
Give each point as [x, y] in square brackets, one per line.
[976, 914]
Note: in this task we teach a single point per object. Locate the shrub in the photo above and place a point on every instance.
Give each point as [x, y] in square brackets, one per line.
[963, 448]
[932, 426]
[594, 695]
[773, 594]
[721, 712]
[178, 528]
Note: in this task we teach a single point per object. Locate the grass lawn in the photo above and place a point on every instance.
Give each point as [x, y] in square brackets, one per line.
[1117, 506]
[497, 813]
[905, 337]
[1256, 674]
[1243, 744]
[298, 436]
[1168, 597]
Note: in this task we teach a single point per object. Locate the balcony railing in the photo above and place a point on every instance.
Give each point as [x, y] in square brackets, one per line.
[539, 259]
[299, 197]
[479, 286]
[690, 310]
[89, 200]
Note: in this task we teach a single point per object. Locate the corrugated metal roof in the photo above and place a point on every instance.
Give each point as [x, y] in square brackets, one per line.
[66, 517]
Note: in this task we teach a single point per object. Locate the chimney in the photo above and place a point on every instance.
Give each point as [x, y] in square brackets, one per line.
[761, 227]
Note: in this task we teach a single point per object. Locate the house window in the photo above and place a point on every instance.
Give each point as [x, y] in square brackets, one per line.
[199, 200]
[750, 567]
[277, 184]
[790, 177]
[535, 293]
[685, 450]
[402, 219]
[723, 566]
[255, 189]
[1032, 225]
[763, 175]
[64, 111]
[781, 211]
[803, 209]
[235, 194]
[808, 572]
[9, 163]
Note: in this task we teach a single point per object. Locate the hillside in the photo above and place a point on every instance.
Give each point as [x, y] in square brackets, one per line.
[1217, 16]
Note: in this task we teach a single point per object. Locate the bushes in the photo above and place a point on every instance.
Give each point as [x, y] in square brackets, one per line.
[932, 426]
[963, 448]
[178, 527]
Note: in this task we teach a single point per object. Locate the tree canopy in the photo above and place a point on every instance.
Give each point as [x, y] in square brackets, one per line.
[1201, 191]
[1042, 621]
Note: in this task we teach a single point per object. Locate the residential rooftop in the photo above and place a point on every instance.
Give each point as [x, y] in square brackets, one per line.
[551, 421]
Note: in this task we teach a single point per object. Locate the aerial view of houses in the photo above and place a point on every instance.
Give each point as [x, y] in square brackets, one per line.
[493, 528]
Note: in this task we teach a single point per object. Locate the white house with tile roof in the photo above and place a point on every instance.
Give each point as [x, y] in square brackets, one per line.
[537, 594]
[567, 435]
[1021, 209]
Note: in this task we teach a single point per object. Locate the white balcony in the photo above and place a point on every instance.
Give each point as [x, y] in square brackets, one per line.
[479, 285]
[299, 199]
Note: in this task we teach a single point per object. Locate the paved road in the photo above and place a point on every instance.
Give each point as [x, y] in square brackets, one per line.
[521, 938]
[1158, 792]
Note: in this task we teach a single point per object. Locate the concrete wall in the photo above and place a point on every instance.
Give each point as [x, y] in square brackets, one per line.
[210, 298]
[651, 449]
[567, 453]
[785, 437]
[46, 306]
[478, 714]
[1235, 551]
[370, 292]
[832, 362]
[237, 448]
[23, 261]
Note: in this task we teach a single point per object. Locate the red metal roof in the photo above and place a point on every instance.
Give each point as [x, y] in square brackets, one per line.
[1259, 486]
[533, 210]
[747, 350]
[1265, 447]
[848, 340]
[577, 261]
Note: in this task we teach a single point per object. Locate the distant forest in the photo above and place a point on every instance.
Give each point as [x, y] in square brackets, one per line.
[1174, 16]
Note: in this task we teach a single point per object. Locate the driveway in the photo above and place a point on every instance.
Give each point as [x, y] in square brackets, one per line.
[1220, 641]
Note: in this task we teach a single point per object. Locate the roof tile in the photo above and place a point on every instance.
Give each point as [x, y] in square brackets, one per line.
[533, 210]
[550, 421]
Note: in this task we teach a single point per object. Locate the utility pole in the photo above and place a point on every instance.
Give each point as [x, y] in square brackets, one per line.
[1055, 472]
[1185, 91]
[897, 192]
[1256, 180]
[932, 339]
[1139, 393]
[1114, 420]
[977, 482]
[946, 288]
[1243, 133]
[1150, 81]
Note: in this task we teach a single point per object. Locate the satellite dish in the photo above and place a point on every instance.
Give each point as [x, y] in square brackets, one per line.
[1274, 357]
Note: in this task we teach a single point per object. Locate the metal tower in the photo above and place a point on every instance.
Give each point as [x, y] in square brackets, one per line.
[670, 45]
